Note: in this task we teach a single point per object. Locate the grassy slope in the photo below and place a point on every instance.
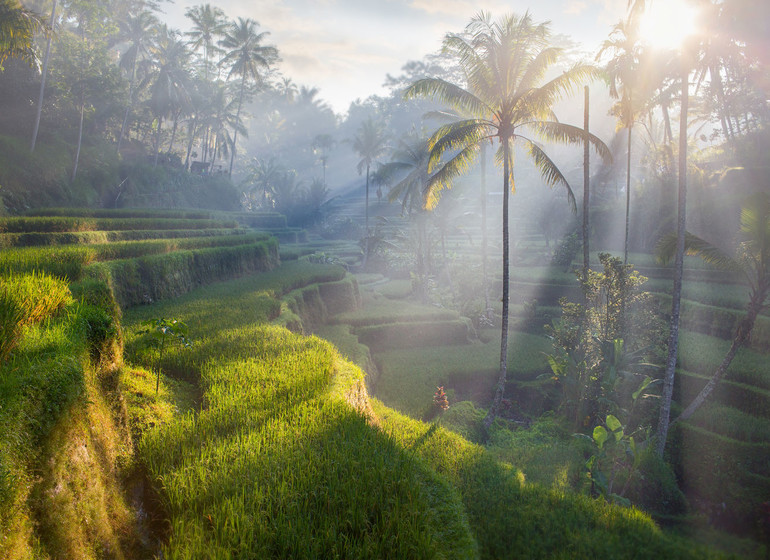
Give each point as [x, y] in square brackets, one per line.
[279, 464]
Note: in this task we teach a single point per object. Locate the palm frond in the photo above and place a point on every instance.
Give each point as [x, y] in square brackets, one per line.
[445, 176]
[569, 134]
[448, 93]
[455, 136]
[549, 171]
[665, 250]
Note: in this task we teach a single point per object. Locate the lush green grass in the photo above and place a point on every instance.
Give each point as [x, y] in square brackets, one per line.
[380, 311]
[515, 519]
[733, 423]
[288, 468]
[408, 378]
[69, 261]
[702, 353]
[70, 224]
[36, 239]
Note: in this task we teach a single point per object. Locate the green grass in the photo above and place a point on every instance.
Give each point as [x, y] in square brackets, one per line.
[701, 353]
[511, 518]
[95, 237]
[733, 423]
[71, 224]
[288, 468]
[68, 261]
[379, 311]
[408, 378]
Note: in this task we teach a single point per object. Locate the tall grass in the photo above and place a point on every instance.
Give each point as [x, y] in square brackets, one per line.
[75, 224]
[278, 464]
[27, 299]
[514, 519]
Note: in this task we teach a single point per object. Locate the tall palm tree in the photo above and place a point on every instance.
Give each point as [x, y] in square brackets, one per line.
[18, 26]
[136, 30]
[408, 168]
[209, 24]
[687, 63]
[623, 72]
[322, 144]
[246, 57]
[369, 144]
[751, 260]
[43, 77]
[170, 81]
[505, 61]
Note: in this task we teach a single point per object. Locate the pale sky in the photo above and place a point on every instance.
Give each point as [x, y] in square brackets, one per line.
[346, 47]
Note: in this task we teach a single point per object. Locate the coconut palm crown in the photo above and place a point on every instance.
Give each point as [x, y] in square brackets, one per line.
[505, 62]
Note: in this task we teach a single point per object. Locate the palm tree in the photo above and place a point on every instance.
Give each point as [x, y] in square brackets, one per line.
[168, 91]
[623, 72]
[322, 144]
[246, 57]
[18, 26]
[751, 260]
[209, 23]
[409, 166]
[686, 63]
[136, 31]
[369, 144]
[43, 76]
[504, 61]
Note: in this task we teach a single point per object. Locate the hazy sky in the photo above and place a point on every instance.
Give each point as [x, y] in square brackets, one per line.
[346, 47]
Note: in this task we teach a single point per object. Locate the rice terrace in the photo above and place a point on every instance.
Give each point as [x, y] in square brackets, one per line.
[384, 280]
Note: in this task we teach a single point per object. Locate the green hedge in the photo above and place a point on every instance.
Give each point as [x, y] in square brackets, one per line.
[36, 239]
[150, 278]
[69, 224]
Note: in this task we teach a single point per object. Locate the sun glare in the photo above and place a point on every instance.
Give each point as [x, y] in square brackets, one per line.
[666, 23]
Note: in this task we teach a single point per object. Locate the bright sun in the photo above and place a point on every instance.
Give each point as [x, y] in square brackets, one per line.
[666, 23]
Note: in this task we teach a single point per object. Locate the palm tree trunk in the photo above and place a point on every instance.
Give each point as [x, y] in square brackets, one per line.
[586, 188]
[130, 103]
[46, 58]
[628, 195]
[366, 219]
[157, 140]
[80, 138]
[191, 132]
[484, 242]
[503, 373]
[173, 132]
[676, 296]
[237, 124]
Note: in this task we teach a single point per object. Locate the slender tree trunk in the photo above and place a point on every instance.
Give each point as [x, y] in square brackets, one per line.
[668, 133]
[366, 219]
[157, 140]
[742, 336]
[484, 242]
[42, 79]
[628, 194]
[586, 188]
[503, 373]
[173, 132]
[237, 124]
[190, 141]
[673, 338]
[130, 105]
[80, 138]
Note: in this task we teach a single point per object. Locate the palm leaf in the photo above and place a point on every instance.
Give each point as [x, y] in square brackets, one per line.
[549, 171]
[449, 93]
[694, 245]
[569, 134]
